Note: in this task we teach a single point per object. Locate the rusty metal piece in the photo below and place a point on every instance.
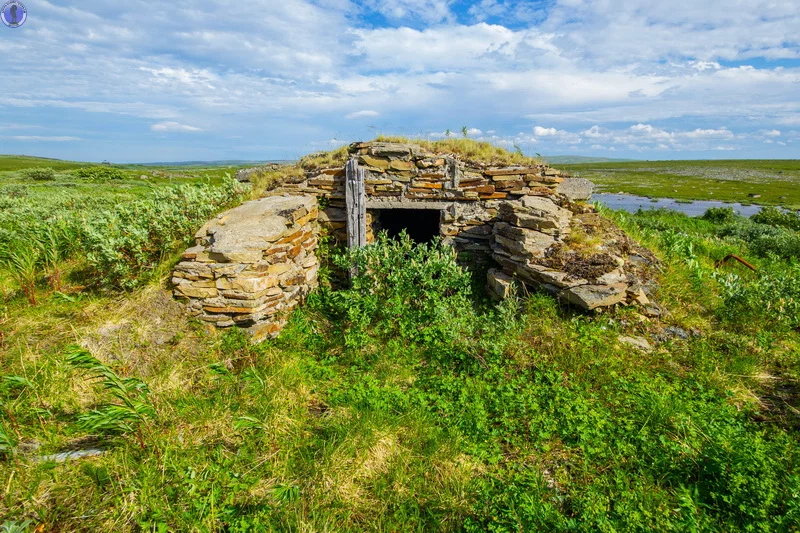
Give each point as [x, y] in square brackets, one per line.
[736, 257]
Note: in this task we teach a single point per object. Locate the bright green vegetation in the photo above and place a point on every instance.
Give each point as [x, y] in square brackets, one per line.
[407, 402]
[113, 225]
[777, 181]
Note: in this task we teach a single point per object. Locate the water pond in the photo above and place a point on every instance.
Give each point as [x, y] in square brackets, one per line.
[632, 203]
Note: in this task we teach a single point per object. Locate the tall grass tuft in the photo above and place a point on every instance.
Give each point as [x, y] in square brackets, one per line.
[130, 408]
[20, 259]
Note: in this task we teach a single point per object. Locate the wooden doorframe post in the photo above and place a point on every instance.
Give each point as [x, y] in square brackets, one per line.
[356, 204]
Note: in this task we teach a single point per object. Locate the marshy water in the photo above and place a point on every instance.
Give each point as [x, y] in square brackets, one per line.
[632, 203]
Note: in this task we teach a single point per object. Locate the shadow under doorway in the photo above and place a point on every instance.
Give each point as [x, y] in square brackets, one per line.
[422, 225]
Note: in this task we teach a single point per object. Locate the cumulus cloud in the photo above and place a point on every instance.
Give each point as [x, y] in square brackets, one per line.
[169, 127]
[577, 69]
[544, 132]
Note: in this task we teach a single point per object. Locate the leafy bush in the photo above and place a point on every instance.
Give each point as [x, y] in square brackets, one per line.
[100, 173]
[125, 242]
[764, 240]
[401, 289]
[770, 302]
[774, 216]
[719, 215]
[39, 174]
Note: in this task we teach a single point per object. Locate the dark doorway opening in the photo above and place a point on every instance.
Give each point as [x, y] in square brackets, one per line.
[422, 225]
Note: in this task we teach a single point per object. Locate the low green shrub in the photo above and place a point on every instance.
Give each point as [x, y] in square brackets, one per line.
[124, 243]
[39, 174]
[774, 216]
[764, 240]
[100, 173]
[770, 302]
[719, 215]
[401, 289]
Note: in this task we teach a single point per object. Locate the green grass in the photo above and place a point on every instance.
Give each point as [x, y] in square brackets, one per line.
[409, 402]
[777, 181]
[405, 407]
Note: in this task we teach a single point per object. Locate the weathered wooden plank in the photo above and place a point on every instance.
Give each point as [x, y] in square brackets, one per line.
[362, 207]
[356, 205]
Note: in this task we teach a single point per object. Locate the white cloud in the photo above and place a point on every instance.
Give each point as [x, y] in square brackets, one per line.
[169, 127]
[474, 131]
[580, 67]
[41, 138]
[544, 132]
[363, 114]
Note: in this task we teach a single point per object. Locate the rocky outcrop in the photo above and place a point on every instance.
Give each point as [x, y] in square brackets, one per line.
[596, 267]
[252, 265]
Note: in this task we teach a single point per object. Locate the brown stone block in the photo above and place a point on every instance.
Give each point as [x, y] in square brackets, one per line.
[412, 195]
[476, 182]
[509, 171]
[389, 188]
[291, 237]
[485, 189]
[302, 221]
[376, 163]
[509, 185]
[401, 165]
[540, 191]
[328, 181]
[192, 270]
[277, 270]
[428, 163]
[425, 184]
[264, 331]
[510, 177]
[190, 291]
[337, 172]
[433, 176]
[294, 252]
[494, 196]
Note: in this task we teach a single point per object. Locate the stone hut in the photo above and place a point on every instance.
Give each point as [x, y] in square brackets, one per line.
[253, 264]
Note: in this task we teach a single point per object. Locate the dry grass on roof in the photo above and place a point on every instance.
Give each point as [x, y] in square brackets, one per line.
[466, 149]
[469, 150]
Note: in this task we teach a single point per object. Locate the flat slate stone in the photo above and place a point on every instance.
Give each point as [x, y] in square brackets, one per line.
[242, 233]
[592, 296]
[576, 189]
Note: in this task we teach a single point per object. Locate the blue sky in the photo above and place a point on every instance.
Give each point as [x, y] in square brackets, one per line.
[146, 80]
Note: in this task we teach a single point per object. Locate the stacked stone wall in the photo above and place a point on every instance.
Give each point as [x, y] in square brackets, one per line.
[252, 265]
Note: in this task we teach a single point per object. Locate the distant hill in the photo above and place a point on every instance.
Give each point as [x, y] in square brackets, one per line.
[577, 159]
[18, 162]
[206, 164]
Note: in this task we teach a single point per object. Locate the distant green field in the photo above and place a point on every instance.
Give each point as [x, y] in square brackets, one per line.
[776, 181]
[19, 162]
[19, 192]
